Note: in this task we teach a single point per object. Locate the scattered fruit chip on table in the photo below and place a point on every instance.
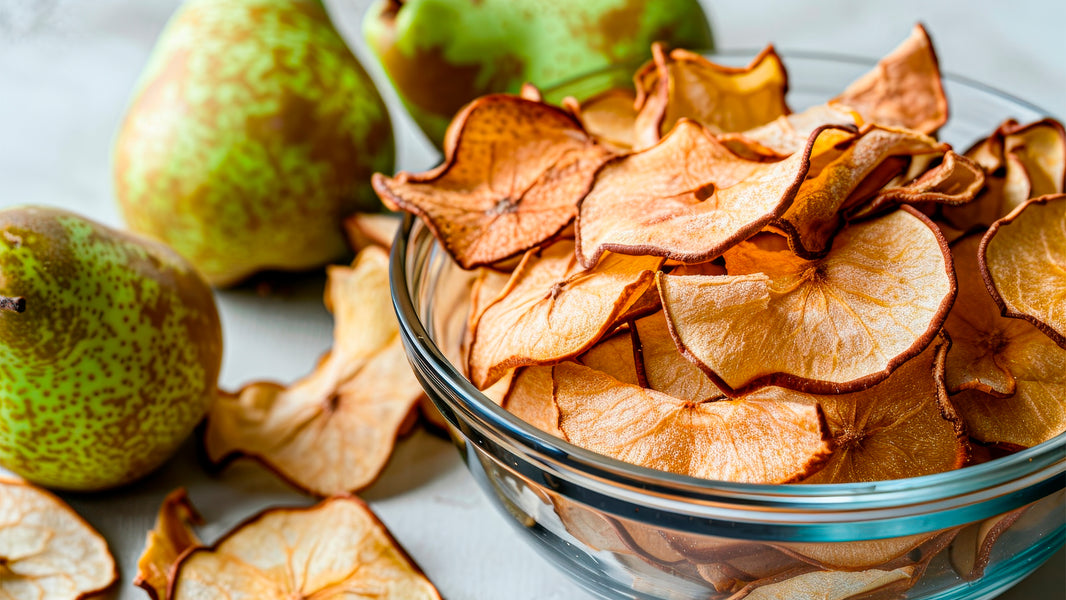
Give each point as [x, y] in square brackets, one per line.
[333, 431]
[173, 535]
[47, 551]
[337, 548]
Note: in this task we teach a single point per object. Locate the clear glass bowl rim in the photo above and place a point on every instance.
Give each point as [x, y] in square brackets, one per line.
[1013, 480]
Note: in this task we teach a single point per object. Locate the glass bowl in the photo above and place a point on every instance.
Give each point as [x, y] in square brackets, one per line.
[623, 531]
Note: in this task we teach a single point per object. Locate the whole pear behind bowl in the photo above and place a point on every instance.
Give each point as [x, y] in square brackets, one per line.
[252, 133]
[109, 357]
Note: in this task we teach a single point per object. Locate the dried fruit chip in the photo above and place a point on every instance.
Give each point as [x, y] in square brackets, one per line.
[337, 548]
[553, 309]
[683, 84]
[830, 585]
[530, 399]
[333, 431]
[955, 181]
[513, 181]
[904, 426]
[173, 535]
[876, 300]
[609, 117]
[688, 198]
[903, 90]
[972, 548]
[372, 229]
[788, 134]
[47, 551]
[751, 439]
[856, 556]
[615, 356]
[1023, 261]
[665, 369]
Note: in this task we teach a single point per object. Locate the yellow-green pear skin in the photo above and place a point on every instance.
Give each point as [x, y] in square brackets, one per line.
[253, 132]
[440, 54]
[110, 349]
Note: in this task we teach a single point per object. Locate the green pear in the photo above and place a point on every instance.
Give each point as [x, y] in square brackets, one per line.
[253, 132]
[440, 54]
[110, 348]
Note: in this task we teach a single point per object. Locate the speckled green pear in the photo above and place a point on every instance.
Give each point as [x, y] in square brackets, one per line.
[441, 54]
[110, 347]
[253, 132]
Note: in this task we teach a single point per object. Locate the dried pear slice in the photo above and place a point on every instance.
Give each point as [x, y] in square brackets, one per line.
[830, 585]
[971, 549]
[172, 536]
[615, 356]
[553, 309]
[47, 551]
[333, 431]
[1023, 262]
[955, 181]
[876, 300]
[682, 84]
[689, 198]
[665, 369]
[903, 90]
[530, 399]
[764, 440]
[513, 181]
[904, 426]
[337, 548]
[609, 117]
[372, 229]
[788, 134]
[855, 556]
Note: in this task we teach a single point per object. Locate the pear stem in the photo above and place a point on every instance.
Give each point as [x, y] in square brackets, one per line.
[16, 304]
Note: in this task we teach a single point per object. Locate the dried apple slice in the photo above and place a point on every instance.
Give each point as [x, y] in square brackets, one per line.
[876, 300]
[337, 548]
[856, 556]
[47, 551]
[683, 84]
[956, 180]
[788, 134]
[513, 181]
[1023, 262]
[530, 399]
[615, 356]
[665, 369]
[971, 549]
[764, 440]
[904, 426]
[333, 431]
[371, 229]
[903, 90]
[173, 535]
[553, 309]
[689, 198]
[830, 585]
[609, 117]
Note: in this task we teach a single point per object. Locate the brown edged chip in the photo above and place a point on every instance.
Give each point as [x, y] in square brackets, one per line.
[833, 325]
[955, 181]
[333, 431]
[553, 309]
[173, 536]
[47, 551]
[971, 549]
[856, 556]
[609, 117]
[752, 439]
[664, 368]
[830, 585]
[335, 549]
[615, 356]
[1023, 262]
[513, 180]
[682, 84]
[787, 134]
[689, 198]
[371, 229]
[903, 90]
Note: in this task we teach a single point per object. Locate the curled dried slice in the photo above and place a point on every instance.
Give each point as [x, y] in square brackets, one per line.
[47, 551]
[787, 134]
[763, 440]
[830, 585]
[904, 426]
[665, 369]
[609, 117]
[1023, 262]
[371, 229]
[877, 299]
[971, 549]
[530, 399]
[553, 309]
[332, 431]
[689, 198]
[337, 548]
[513, 180]
[903, 90]
[682, 84]
[955, 181]
[173, 535]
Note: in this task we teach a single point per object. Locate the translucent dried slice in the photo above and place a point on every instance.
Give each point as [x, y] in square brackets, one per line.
[665, 369]
[816, 213]
[904, 426]
[530, 399]
[609, 117]
[903, 90]
[553, 309]
[683, 84]
[971, 549]
[751, 440]
[788, 134]
[337, 548]
[173, 535]
[615, 356]
[1023, 262]
[689, 198]
[876, 299]
[47, 551]
[830, 585]
[513, 180]
[333, 431]
[371, 229]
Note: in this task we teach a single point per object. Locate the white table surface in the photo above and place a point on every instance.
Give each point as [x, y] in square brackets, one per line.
[66, 70]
